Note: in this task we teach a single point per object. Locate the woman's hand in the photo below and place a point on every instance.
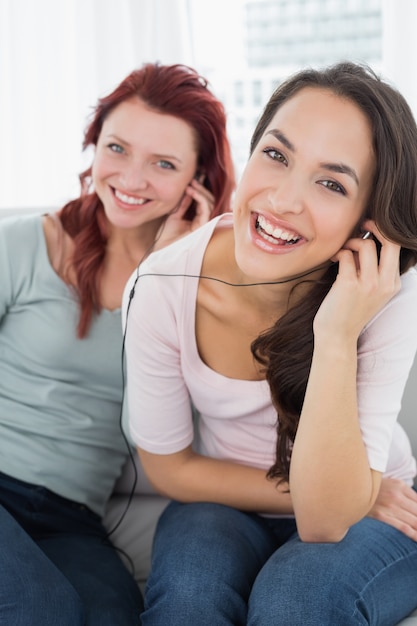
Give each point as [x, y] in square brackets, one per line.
[362, 287]
[175, 225]
[396, 505]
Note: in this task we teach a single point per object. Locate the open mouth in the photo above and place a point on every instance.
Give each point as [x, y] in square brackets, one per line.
[129, 199]
[274, 235]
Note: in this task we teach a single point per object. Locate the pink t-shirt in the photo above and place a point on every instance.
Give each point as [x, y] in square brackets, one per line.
[236, 419]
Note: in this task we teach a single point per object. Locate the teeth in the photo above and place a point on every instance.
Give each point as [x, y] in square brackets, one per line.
[129, 199]
[277, 233]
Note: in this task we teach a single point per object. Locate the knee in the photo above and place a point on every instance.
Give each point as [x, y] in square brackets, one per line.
[301, 585]
[181, 583]
[203, 565]
[190, 597]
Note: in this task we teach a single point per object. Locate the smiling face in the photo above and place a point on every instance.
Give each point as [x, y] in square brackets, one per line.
[143, 162]
[305, 186]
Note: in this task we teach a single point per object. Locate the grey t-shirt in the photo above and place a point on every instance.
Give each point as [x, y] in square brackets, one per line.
[60, 397]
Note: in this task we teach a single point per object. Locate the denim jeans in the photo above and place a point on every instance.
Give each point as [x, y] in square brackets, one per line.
[213, 565]
[57, 567]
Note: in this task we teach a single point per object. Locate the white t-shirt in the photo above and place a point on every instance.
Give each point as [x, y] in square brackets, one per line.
[236, 418]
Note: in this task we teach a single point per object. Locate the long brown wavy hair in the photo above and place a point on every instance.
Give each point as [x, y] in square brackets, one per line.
[285, 351]
[176, 90]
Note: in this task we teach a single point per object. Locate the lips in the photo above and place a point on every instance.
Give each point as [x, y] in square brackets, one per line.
[273, 234]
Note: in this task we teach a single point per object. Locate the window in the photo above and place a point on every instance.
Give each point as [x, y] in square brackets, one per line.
[52, 71]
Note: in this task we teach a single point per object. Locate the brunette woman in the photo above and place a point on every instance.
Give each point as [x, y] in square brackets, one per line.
[291, 325]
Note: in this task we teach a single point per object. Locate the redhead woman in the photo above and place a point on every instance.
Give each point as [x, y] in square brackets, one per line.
[291, 325]
[161, 168]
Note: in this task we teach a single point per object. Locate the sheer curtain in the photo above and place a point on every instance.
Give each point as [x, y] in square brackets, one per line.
[399, 47]
[56, 58]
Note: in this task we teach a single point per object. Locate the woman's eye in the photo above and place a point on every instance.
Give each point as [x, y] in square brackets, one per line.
[114, 147]
[333, 186]
[166, 165]
[275, 155]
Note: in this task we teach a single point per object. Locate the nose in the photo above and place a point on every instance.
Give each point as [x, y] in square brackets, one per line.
[134, 177]
[286, 195]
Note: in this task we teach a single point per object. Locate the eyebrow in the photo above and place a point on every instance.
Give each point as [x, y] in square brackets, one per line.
[340, 168]
[172, 157]
[282, 138]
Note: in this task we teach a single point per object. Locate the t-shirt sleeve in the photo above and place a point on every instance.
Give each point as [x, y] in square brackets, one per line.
[386, 350]
[160, 418]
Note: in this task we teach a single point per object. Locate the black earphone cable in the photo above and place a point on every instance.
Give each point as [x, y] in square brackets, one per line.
[131, 457]
[218, 280]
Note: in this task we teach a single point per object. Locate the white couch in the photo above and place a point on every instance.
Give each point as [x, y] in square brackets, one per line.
[134, 535]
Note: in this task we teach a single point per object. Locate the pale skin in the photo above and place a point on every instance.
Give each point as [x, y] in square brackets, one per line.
[309, 177]
[144, 168]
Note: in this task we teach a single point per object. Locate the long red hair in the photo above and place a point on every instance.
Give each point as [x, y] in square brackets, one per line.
[176, 90]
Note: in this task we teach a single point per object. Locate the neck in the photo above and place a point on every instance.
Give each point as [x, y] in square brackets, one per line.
[265, 294]
[133, 243]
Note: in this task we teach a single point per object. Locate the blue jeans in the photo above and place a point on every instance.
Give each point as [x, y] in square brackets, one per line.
[57, 567]
[213, 565]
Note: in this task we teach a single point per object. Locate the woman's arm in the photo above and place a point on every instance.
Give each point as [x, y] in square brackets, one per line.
[332, 485]
[160, 362]
[189, 477]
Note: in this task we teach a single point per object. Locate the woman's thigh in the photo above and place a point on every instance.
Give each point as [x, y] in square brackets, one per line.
[75, 543]
[205, 559]
[32, 589]
[369, 578]
[109, 593]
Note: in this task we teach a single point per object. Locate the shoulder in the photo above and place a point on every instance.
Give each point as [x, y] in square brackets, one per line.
[396, 320]
[21, 222]
[20, 233]
[409, 282]
[59, 244]
[20, 252]
[186, 254]
[162, 281]
[405, 301]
